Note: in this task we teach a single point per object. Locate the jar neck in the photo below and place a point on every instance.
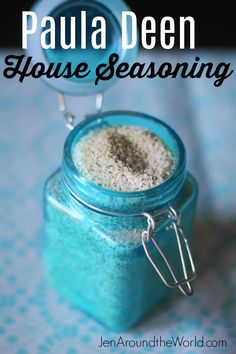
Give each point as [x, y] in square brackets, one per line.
[87, 192]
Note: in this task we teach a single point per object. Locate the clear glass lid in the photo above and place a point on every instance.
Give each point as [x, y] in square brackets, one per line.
[79, 15]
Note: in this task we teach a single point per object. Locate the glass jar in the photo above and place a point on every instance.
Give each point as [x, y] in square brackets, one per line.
[99, 254]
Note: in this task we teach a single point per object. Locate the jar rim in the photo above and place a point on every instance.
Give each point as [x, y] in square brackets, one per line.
[178, 171]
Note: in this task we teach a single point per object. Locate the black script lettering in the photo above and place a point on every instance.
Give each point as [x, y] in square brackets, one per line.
[221, 75]
[81, 70]
[140, 70]
[51, 72]
[122, 68]
[165, 70]
[38, 70]
[15, 62]
[108, 71]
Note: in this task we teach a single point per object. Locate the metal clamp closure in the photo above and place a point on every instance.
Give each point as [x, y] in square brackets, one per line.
[148, 235]
[70, 117]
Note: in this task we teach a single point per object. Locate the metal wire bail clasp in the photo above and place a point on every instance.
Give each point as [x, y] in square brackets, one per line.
[70, 117]
[148, 235]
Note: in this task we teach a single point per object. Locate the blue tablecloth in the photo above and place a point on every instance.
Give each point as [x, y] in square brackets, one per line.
[33, 319]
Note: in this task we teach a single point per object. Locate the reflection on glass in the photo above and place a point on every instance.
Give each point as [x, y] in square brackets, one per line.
[91, 56]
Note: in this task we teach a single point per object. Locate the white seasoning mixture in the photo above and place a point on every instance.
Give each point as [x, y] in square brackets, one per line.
[123, 158]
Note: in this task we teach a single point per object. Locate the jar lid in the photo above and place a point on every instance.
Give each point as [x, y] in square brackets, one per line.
[111, 11]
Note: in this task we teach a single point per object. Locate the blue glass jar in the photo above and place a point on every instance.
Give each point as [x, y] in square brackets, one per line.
[99, 254]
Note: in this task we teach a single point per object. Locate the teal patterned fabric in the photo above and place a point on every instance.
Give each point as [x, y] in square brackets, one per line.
[33, 318]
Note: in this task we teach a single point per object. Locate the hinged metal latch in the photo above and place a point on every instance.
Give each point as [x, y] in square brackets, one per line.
[70, 117]
[184, 284]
